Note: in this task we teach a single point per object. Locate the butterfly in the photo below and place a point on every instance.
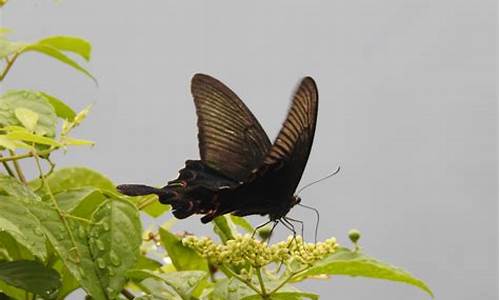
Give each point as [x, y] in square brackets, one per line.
[239, 170]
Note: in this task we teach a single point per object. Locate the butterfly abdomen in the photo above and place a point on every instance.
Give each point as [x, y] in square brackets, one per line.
[196, 190]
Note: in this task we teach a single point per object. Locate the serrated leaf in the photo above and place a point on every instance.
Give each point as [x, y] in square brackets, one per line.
[183, 258]
[116, 236]
[31, 276]
[69, 43]
[27, 117]
[184, 283]
[61, 109]
[14, 99]
[347, 262]
[56, 54]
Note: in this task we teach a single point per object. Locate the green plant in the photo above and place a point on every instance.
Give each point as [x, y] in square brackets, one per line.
[69, 228]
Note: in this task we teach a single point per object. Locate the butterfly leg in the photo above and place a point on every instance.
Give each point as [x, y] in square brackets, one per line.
[290, 227]
[260, 226]
[297, 221]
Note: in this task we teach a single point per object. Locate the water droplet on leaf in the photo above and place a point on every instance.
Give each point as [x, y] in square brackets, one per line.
[101, 263]
[100, 245]
[115, 260]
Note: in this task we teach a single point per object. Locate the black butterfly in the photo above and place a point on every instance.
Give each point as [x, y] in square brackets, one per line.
[240, 171]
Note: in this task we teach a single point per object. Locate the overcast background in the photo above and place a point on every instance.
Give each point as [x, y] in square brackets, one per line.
[408, 108]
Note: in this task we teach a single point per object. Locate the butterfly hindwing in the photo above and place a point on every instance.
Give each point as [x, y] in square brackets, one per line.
[230, 138]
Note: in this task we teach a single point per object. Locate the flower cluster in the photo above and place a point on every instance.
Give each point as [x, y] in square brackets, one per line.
[244, 249]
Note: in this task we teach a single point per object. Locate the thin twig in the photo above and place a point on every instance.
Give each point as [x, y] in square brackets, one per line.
[287, 280]
[18, 169]
[7, 167]
[261, 282]
[26, 155]
[9, 63]
[246, 282]
[62, 215]
[127, 294]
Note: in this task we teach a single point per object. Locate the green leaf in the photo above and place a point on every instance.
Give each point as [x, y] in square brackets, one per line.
[31, 276]
[157, 290]
[116, 235]
[67, 179]
[30, 137]
[184, 283]
[347, 262]
[230, 289]
[69, 141]
[11, 249]
[183, 258]
[80, 202]
[27, 117]
[69, 43]
[16, 219]
[36, 102]
[56, 54]
[147, 263]
[61, 109]
[7, 47]
[225, 228]
[242, 223]
[68, 238]
[12, 144]
[150, 205]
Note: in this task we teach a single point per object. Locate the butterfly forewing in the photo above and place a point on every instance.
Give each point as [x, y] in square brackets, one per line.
[231, 140]
[292, 146]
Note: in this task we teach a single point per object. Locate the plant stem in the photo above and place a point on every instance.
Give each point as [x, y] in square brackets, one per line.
[26, 155]
[127, 294]
[261, 282]
[17, 167]
[7, 167]
[146, 202]
[286, 280]
[9, 63]
[246, 282]
[56, 206]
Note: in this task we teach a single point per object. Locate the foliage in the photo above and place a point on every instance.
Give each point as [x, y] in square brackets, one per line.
[69, 229]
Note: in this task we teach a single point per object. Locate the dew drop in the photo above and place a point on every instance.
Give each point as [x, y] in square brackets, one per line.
[231, 288]
[191, 281]
[110, 291]
[105, 226]
[101, 263]
[82, 232]
[82, 273]
[100, 245]
[115, 260]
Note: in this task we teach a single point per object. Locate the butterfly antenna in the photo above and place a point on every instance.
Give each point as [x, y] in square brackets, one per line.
[319, 180]
[317, 220]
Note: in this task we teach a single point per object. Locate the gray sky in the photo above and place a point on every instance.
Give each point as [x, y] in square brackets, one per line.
[408, 108]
